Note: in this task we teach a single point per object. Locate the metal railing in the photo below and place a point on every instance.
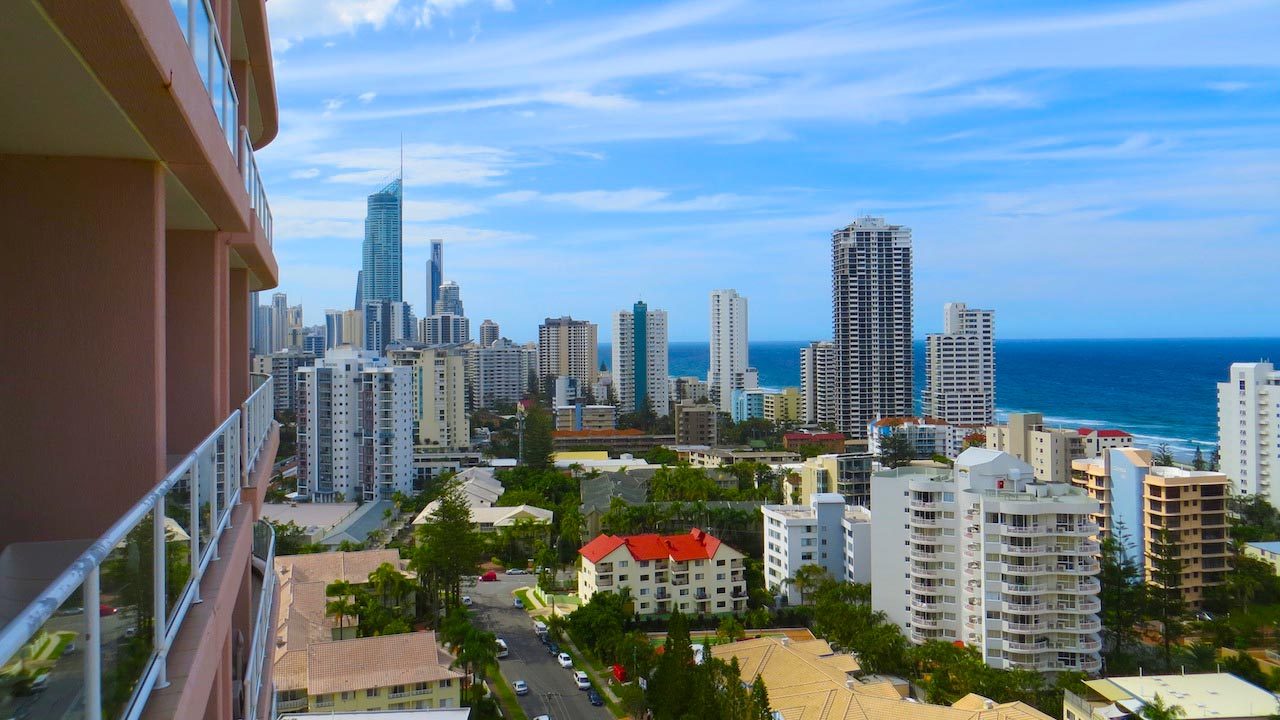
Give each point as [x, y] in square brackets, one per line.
[264, 556]
[97, 637]
[253, 184]
[200, 28]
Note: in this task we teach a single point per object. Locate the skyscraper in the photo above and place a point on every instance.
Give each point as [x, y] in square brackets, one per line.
[359, 303]
[728, 367]
[446, 329]
[279, 322]
[333, 329]
[435, 274]
[818, 382]
[488, 333]
[386, 322]
[383, 268]
[449, 299]
[871, 320]
[1249, 441]
[640, 359]
[960, 368]
[568, 347]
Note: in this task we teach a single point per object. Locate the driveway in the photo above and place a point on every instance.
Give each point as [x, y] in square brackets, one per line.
[551, 687]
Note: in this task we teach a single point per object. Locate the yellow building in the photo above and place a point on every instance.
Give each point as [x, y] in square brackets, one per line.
[846, 473]
[1267, 552]
[784, 406]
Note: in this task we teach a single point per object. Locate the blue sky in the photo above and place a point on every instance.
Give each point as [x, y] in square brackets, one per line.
[1085, 169]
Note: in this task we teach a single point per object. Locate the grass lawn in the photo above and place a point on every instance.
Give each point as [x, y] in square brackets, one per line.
[507, 697]
[525, 596]
[599, 674]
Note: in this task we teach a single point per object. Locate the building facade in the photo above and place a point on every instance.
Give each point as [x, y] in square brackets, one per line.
[498, 373]
[818, 381]
[1249, 429]
[445, 329]
[440, 398]
[871, 296]
[283, 369]
[993, 558]
[696, 423]
[694, 573]
[960, 367]
[568, 347]
[435, 274]
[449, 300]
[813, 534]
[728, 334]
[845, 474]
[489, 333]
[783, 406]
[1048, 450]
[382, 259]
[640, 359]
[586, 417]
[386, 322]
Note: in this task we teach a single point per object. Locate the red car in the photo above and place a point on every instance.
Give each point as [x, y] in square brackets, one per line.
[490, 576]
[105, 610]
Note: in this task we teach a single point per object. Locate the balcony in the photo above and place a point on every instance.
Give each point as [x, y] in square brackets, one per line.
[917, 554]
[1022, 627]
[122, 598]
[922, 505]
[925, 606]
[1024, 550]
[923, 587]
[200, 28]
[923, 521]
[1013, 646]
[291, 705]
[1023, 530]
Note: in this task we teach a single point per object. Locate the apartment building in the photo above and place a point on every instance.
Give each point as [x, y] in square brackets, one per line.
[569, 347]
[445, 329]
[993, 558]
[283, 368]
[586, 417]
[719, 457]
[930, 436]
[489, 333]
[783, 406]
[826, 532]
[727, 369]
[747, 405]
[960, 367]
[1048, 450]
[687, 388]
[138, 228]
[846, 474]
[355, 428]
[696, 423]
[694, 573]
[818, 382]
[498, 373]
[440, 397]
[830, 442]
[1249, 429]
[639, 367]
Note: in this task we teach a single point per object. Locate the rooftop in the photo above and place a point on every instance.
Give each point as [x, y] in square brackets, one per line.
[1271, 546]
[1210, 695]
[380, 661]
[696, 545]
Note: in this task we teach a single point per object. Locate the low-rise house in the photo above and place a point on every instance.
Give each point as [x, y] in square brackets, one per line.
[1268, 552]
[719, 457]
[694, 573]
[1210, 695]
[492, 519]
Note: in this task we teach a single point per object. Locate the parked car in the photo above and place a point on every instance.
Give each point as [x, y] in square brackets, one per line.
[553, 649]
[564, 660]
[539, 627]
[490, 576]
[466, 600]
[584, 682]
[521, 687]
[594, 697]
[106, 611]
[516, 571]
[519, 603]
[502, 648]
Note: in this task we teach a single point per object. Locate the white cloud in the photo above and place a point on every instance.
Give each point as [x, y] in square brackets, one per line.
[295, 21]
[305, 174]
[630, 200]
[424, 164]
[367, 97]
[1229, 86]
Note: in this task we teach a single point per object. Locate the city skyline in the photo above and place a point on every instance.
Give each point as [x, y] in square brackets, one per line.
[1039, 179]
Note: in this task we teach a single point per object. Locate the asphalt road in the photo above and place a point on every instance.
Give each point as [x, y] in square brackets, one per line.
[552, 690]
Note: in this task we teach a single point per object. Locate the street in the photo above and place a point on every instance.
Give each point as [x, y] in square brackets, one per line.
[551, 687]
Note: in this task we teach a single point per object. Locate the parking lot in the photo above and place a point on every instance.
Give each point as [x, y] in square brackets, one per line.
[551, 687]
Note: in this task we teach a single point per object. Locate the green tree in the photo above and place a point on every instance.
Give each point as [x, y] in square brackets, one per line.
[730, 629]
[447, 549]
[1198, 462]
[671, 687]
[1164, 591]
[293, 540]
[391, 585]
[343, 604]
[537, 438]
[1158, 709]
[661, 456]
[807, 579]
[1121, 593]
[896, 449]
[1162, 456]
[475, 655]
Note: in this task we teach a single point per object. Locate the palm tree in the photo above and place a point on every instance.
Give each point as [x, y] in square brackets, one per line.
[343, 604]
[390, 584]
[807, 579]
[1158, 710]
[477, 653]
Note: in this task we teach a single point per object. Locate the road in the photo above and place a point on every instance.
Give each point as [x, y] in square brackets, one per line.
[552, 690]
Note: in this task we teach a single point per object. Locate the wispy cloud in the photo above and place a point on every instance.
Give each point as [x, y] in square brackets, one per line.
[629, 200]
[424, 164]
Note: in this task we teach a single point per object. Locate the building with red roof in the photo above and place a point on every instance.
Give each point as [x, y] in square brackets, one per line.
[828, 442]
[1098, 442]
[694, 573]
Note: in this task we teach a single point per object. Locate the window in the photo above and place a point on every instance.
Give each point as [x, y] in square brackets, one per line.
[371, 692]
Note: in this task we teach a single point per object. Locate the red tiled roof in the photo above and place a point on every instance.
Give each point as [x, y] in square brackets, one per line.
[1104, 433]
[697, 545]
[649, 546]
[602, 545]
[815, 437]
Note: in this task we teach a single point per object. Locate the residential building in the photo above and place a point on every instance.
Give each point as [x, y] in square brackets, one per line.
[813, 534]
[845, 474]
[313, 343]
[930, 436]
[435, 274]
[728, 346]
[332, 329]
[616, 441]
[871, 314]
[747, 405]
[440, 398]
[696, 423]
[279, 322]
[138, 228]
[568, 347]
[449, 300]
[960, 367]
[602, 389]
[382, 255]
[498, 373]
[694, 573]
[489, 333]
[783, 406]
[1201, 697]
[828, 442]
[386, 322]
[586, 417]
[494, 518]
[567, 391]
[1048, 450]
[718, 457]
[343, 327]
[283, 368]
[445, 329]
[1268, 552]
[993, 558]
[818, 380]
[640, 360]
[689, 388]
[1098, 442]
[261, 337]
[808, 680]
[355, 428]
[1249, 429]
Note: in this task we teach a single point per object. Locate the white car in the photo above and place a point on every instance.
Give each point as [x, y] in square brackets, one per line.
[521, 687]
[502, 648]
[584, 682]
[564, 660]
[466, 600]
[543, 717]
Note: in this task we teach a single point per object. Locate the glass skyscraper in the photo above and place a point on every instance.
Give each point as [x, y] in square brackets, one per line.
[435, 274]
[383, 266]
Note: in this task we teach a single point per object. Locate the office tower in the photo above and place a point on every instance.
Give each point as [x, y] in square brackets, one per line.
[359, 304]
[695, 423]
[355, 428]
[313, 343]
[382, 270]
[283, 367]
[728, 347]
[985, 555]
[818, 382]
[279, 322]
[333, 326]
[640, 359]
[960, 368]
[440, 398]
[386, 322]
[445, 329]
[129, 142]
[262, 330]
[568, 347]
[498, 374]
[488, 333]
[435, 274]
[871, 322]
[1249, 430]
[450, 300]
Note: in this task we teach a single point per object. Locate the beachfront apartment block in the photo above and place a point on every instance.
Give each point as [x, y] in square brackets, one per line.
[987, 555]
[826, 532]
[694, 573]
[1249, 429]
[960, 367]
[138, 231]
[1050, 450]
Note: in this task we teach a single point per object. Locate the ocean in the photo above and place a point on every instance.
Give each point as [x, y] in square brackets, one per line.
[1162, 391]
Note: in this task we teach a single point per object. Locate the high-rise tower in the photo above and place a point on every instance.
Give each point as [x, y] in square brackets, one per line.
[435, 274]
[383, 245]
[567, 347]
[640, 359]
[871, 320]
[728, 369]
[960, 368]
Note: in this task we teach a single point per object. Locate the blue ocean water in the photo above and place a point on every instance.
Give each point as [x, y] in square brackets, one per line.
[1162, 391]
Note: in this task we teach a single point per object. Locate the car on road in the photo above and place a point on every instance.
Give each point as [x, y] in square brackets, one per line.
[106, 610]
[516, 571]
[540, 627]
[502, 648]
[518, 603]
[521, 687]
[553, 649]
[594, 698]
[584, 682]
[490, 576]
[564, 660]
[466, 600]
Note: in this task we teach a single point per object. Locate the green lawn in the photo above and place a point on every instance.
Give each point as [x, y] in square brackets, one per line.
[525, 597]
[599, 674]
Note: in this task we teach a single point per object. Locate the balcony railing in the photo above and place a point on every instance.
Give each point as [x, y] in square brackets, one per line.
[100, 632]
[200, 28]
[253, 184]
[264, 555]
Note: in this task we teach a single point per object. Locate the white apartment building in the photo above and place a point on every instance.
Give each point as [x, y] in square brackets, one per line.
[568, 347]
[693, 573]
[960, 367]
[489, 333]
[640, 359]
[871, 322]
[992, 558]
[498, 373]
[728, 368]
[818, 382]
[814, 534]
[355, 428]
[445, 329]
[283, 367]
[1249, 429]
